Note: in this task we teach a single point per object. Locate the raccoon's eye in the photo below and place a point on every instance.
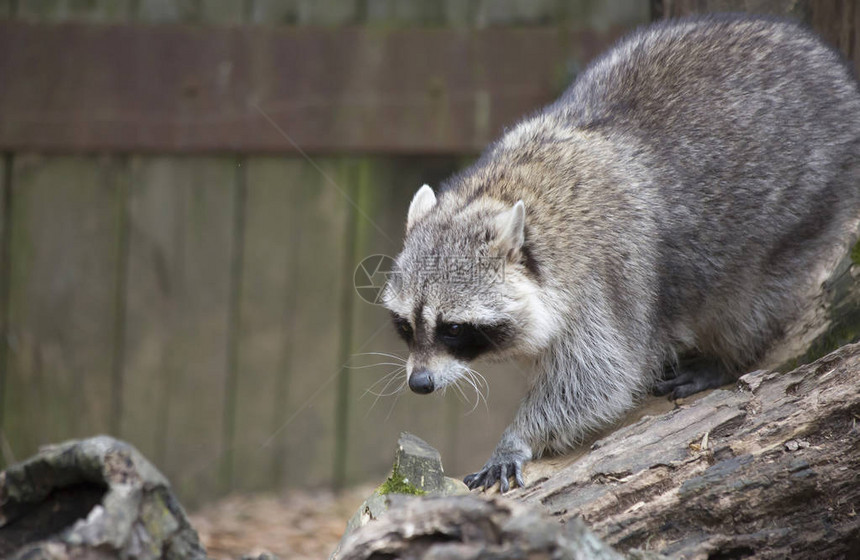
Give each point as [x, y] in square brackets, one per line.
[452, 330]
[404, 329]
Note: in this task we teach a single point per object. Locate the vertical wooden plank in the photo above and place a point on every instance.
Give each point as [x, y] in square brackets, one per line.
[266, 308]
[306, 430]
[354, 177]
[7, 9]
[284, 385]
[6, 162]
[119, 294]
[234, 323]
[371, 330]
[180, 248]
[61, 310]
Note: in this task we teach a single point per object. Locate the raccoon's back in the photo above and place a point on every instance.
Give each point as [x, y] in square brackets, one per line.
[746, 137]
[748, 125]
[712, 71]
[714, 95]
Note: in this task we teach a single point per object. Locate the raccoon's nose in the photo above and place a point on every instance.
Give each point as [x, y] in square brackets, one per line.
[421, 381]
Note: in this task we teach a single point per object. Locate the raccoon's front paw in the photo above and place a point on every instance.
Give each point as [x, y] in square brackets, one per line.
[693, 379]
[501, 466]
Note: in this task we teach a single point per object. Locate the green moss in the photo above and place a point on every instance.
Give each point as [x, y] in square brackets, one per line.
[837, 337]
[396, 484]
[844, 331]
[855, 253]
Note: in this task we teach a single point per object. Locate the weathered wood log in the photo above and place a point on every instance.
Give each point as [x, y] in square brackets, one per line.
[771, 468]
[95, 498]
[471, 527]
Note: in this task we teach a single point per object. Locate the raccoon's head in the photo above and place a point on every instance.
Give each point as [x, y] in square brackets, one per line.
[463, 288]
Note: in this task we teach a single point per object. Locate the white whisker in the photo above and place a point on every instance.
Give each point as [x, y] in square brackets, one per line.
[384, 354]
[391, 378]
[472, 384]
[397, 398]
[383, 392]
[461, 393]
[479, 383]
[375, 365]
[388, 378]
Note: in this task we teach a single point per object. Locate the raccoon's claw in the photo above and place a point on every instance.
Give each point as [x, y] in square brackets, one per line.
[497, 471]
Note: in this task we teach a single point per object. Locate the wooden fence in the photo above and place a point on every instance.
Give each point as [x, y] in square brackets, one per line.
[183, 208]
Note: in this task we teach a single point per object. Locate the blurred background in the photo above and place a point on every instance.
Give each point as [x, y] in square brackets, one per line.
[187, 188]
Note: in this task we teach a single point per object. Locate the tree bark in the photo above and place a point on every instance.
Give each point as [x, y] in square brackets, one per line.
[471, 528]
[768, 469]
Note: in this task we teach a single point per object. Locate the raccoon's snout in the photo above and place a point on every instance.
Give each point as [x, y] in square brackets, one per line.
[421, 381]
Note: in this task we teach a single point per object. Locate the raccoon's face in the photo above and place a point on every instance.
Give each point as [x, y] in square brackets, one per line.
[461, 290]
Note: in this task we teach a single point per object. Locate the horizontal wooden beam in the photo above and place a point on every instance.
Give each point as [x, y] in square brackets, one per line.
[253, 89]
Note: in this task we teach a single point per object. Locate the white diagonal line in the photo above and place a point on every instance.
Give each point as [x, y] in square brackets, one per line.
[323, 173]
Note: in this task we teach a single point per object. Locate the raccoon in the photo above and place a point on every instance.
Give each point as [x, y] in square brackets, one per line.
[672, 203]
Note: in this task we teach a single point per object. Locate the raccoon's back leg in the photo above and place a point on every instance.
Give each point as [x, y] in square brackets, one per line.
[693, 376]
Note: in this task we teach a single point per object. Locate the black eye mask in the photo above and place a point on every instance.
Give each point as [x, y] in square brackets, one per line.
[467, 341]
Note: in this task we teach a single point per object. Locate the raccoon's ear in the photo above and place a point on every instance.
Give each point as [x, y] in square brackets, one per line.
[511, 230]
[423, 201]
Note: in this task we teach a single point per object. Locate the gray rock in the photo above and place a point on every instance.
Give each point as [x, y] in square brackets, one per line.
[419, 463]
[93, 498]
[417, 471]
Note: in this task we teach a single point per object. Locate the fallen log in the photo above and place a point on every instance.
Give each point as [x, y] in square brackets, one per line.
[470, 528]
[771, 468]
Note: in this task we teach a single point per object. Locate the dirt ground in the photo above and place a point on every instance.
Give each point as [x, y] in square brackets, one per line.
[295, 525]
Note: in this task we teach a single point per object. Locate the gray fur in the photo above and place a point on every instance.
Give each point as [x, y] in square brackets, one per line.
[677, 199]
